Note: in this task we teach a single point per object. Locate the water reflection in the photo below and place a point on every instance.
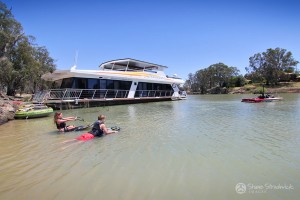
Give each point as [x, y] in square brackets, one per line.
[197, 148]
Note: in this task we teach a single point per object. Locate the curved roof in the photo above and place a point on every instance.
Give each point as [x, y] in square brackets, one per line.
[129, 64]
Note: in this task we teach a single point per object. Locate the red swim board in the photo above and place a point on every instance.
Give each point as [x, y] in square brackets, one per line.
[85, 136]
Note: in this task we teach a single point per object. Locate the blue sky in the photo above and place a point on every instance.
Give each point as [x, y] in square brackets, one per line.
[184, 35]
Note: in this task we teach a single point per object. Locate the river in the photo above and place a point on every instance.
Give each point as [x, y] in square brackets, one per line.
[205, 147]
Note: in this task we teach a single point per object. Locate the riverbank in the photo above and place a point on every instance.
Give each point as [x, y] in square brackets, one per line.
[7, 108]
[285, 87]
[7, 111]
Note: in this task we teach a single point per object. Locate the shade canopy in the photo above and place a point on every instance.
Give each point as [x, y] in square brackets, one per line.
[129, 64]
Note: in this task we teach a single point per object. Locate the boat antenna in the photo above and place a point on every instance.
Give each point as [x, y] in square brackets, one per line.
[75, 61]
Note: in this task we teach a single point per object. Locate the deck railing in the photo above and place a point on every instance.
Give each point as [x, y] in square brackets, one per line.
[72, 94]
[69, 94]
[153, 93]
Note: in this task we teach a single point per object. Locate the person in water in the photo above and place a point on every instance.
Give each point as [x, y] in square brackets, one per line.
[99, 129]
[60, 122]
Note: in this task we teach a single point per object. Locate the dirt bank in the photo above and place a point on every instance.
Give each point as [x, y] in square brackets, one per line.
[7, 111]
[289, 87]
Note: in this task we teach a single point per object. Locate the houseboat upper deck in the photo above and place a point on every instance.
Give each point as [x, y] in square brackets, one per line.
[116, 82]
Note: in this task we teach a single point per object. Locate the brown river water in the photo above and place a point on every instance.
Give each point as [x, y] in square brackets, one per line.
[205, 147]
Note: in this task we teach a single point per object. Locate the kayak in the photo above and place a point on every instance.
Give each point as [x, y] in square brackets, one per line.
[252, 100]
[33, 112]
[261, 99]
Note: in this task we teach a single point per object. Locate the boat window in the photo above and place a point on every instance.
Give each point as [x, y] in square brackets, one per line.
[90, 83]
[124, 85]
[102, 84]
[67, 83]
[153, 86]
[116, 85]
[109, 84]
[80, 83]
[93, 83]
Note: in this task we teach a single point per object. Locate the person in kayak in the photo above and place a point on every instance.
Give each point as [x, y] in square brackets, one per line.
[60, 122]
[99, 129]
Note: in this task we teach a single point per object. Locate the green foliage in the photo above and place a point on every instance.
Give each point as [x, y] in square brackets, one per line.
[260, 90]
[237, 81]
[22, 63]
[270, 65]
[216, 75]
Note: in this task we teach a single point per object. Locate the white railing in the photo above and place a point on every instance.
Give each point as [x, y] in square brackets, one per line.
[68, 94]
[73, 94]
[153, 93]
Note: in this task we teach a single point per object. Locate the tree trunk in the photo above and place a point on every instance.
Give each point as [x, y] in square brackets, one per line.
[10, 91]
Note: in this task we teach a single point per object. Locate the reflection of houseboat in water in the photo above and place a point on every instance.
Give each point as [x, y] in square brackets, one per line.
[121, 81]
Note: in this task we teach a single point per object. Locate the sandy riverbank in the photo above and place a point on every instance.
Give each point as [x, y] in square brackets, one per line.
[287, 87]
[7, 111]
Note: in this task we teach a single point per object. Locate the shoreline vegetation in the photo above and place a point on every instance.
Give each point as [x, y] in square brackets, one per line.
[282, 87]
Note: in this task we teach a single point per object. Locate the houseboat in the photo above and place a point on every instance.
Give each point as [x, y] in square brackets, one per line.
[122, 81]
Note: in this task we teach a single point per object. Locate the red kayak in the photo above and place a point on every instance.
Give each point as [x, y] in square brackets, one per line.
[253, 100]
[262, 99]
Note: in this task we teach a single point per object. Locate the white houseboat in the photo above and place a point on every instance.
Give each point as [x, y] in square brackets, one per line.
[120, 81]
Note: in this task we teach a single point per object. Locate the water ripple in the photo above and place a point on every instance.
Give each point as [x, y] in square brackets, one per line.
[165, 150]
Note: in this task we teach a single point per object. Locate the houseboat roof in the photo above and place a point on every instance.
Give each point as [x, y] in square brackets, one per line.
[129, 64]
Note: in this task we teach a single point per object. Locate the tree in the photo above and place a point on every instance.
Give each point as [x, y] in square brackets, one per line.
[216, 75]
[237, 81]
[220, 74]
[11, 32]
[21, 62]
[271, 64]
[188, 83]
[203, 78]
[44, 63]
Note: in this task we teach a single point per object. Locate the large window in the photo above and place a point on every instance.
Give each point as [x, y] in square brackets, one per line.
[92, 83]
[81, 83]
[153, 90]
[67, 83]
[153, 86]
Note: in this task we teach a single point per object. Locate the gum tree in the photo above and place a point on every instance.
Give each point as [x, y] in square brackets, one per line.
[271, 64]
[21, 61]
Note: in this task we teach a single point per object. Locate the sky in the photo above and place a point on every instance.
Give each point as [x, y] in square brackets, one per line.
[185, 36]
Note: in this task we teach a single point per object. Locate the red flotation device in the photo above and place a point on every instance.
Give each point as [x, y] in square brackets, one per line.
[86, 136]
